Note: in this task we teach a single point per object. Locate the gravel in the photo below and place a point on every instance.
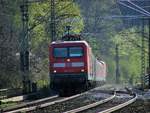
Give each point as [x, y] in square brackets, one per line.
[117, 100]
[74, 103]
[140, 106]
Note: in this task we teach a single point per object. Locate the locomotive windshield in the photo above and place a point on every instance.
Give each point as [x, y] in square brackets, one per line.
[68, 52]
[75, 51]
[60, 52]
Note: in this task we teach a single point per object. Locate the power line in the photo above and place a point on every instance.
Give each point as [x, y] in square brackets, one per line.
[135, 0]
[146, 6]
[134, 9]
[139, 7]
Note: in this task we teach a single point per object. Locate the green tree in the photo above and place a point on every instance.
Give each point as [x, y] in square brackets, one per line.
[130, 54]
[39, 33]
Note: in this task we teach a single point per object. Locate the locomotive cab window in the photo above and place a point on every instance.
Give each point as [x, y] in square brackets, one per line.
[75, 51]
[60, 52]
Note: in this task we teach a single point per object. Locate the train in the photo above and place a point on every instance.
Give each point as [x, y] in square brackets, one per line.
[73, 66]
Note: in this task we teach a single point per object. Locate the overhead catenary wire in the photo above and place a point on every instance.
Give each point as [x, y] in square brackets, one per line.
[134, 9]
[135, 0]
[139, 7]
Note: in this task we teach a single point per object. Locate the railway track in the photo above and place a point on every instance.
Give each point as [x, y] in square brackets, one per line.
[7, 93]
[32, 106]
[119, 101]
[100, 101]
[93, 96]
[104, 102]
[29, 104]
[42, 103]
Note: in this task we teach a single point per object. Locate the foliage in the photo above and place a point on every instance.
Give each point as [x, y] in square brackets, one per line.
[104, 33]
[102, 28]
[39, 33]
[130, 53]
[9, 63]
[68, 14]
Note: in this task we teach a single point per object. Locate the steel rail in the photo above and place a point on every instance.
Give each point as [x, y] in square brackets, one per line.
[31, 108]
[29, 103]
[91, 105]
[120, 106]
[81, 109]
[10, 92]
[17, 98]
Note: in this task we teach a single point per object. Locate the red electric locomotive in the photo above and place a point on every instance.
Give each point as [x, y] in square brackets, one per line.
[73, 66]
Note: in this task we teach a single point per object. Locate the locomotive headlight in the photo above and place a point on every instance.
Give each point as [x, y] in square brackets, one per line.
[54, 71]
[82, 70]
[68, 60]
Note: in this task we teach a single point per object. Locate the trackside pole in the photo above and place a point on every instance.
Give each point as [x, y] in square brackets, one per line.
[149, 55]
[117, 64]
[24, 48]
